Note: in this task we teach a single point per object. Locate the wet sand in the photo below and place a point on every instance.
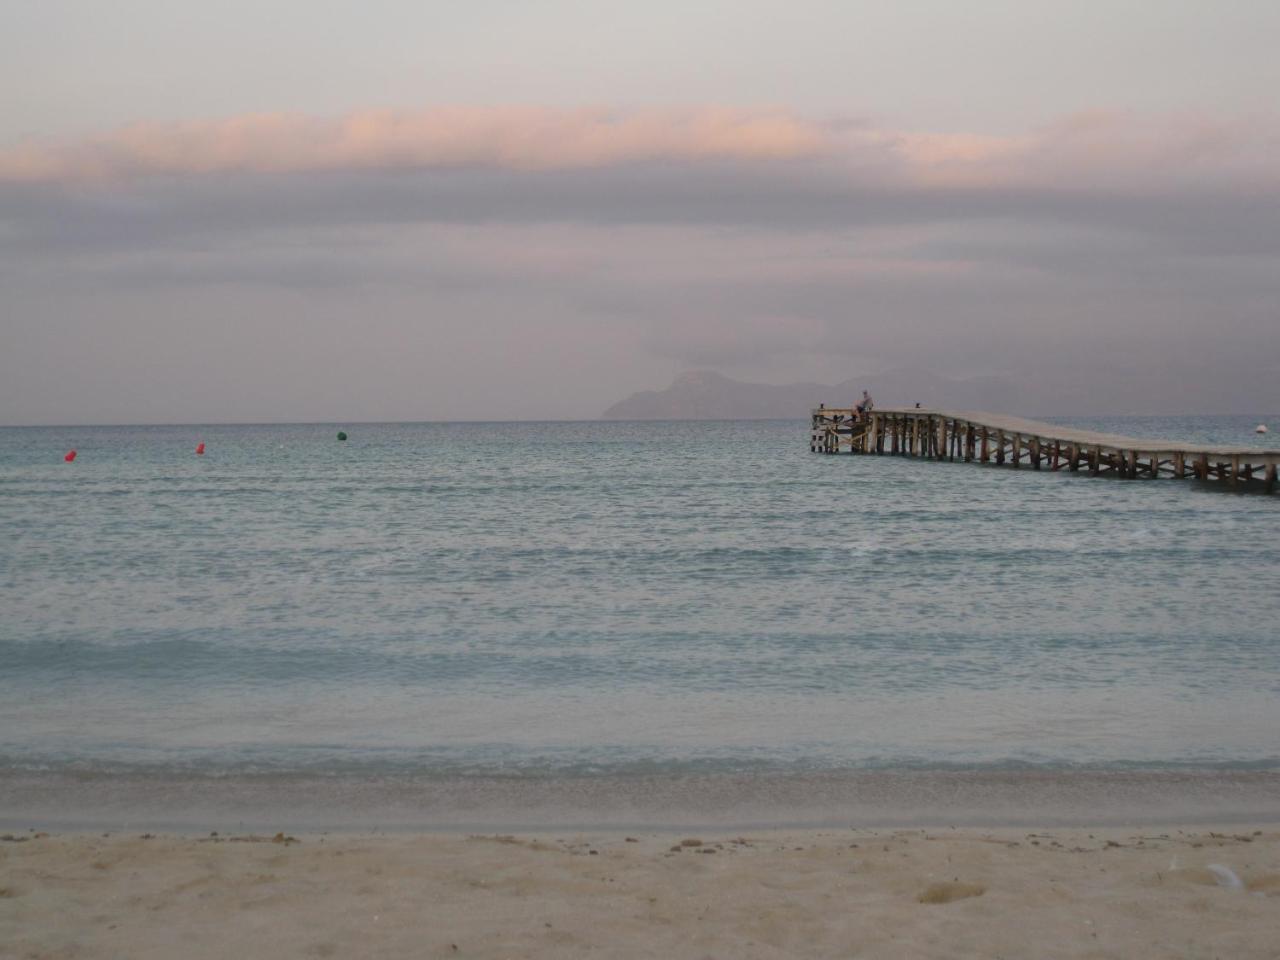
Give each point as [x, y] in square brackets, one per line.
[1090, 892]
[97, 802]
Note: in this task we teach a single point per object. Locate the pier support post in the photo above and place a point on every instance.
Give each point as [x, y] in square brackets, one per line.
[1270, 478]
[1016, 452]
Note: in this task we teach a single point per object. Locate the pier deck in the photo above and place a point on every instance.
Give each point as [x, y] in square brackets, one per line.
[972, 436]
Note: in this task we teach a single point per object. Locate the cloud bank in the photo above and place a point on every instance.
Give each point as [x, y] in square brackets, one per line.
[1097, 150]
[463, 263]
[516, 138]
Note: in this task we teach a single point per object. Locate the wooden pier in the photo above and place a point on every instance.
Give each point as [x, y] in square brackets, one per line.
[1014, 442]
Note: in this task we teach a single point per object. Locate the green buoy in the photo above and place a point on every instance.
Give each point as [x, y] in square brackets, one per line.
[342, 435]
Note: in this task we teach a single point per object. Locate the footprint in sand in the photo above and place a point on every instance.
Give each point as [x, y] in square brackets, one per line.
[1268, 885]
[946, 892]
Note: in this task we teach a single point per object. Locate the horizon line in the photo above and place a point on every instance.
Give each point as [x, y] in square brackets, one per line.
[339, 423]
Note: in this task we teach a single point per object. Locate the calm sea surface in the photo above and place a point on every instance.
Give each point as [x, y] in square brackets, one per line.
[573, 599]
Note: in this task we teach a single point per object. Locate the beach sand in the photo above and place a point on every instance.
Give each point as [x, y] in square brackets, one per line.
[940, 892]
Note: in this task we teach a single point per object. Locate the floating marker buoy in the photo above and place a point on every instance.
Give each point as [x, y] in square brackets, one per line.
[1260, 428]
[200, 448]
[341, 435]
[71, 455]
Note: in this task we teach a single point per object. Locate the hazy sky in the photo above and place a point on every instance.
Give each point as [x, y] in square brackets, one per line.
[324, 211]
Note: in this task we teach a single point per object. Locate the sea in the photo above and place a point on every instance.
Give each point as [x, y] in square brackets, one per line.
[437, 624]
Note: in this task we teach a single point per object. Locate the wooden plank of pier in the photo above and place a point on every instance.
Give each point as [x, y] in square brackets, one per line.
[990, 437]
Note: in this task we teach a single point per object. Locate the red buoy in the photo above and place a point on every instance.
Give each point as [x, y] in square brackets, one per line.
[71, 455]
[200, 448]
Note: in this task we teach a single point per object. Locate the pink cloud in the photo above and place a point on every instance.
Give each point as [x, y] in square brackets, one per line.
[510, 137]
[1097, 150]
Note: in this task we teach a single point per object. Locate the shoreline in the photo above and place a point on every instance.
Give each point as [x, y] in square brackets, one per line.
[443, 804]
[1147, 892]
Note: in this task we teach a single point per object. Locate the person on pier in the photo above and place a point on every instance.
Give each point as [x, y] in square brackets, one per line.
[864, 406]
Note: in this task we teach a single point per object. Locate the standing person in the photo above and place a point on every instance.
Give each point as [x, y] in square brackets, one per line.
[864, 407]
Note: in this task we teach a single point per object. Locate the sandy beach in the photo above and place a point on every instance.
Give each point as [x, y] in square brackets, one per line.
[942, 892]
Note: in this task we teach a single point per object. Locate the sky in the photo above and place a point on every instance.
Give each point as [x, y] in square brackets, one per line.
[319, 211]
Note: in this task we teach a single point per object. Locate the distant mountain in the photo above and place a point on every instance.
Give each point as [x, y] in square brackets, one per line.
[706, 395]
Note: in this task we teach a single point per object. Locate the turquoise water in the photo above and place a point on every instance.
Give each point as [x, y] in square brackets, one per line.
[614, 598]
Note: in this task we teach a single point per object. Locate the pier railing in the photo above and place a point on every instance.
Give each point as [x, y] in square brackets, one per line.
[1015, 442]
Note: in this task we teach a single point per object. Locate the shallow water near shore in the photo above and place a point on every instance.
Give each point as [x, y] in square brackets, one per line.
[618, 600]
